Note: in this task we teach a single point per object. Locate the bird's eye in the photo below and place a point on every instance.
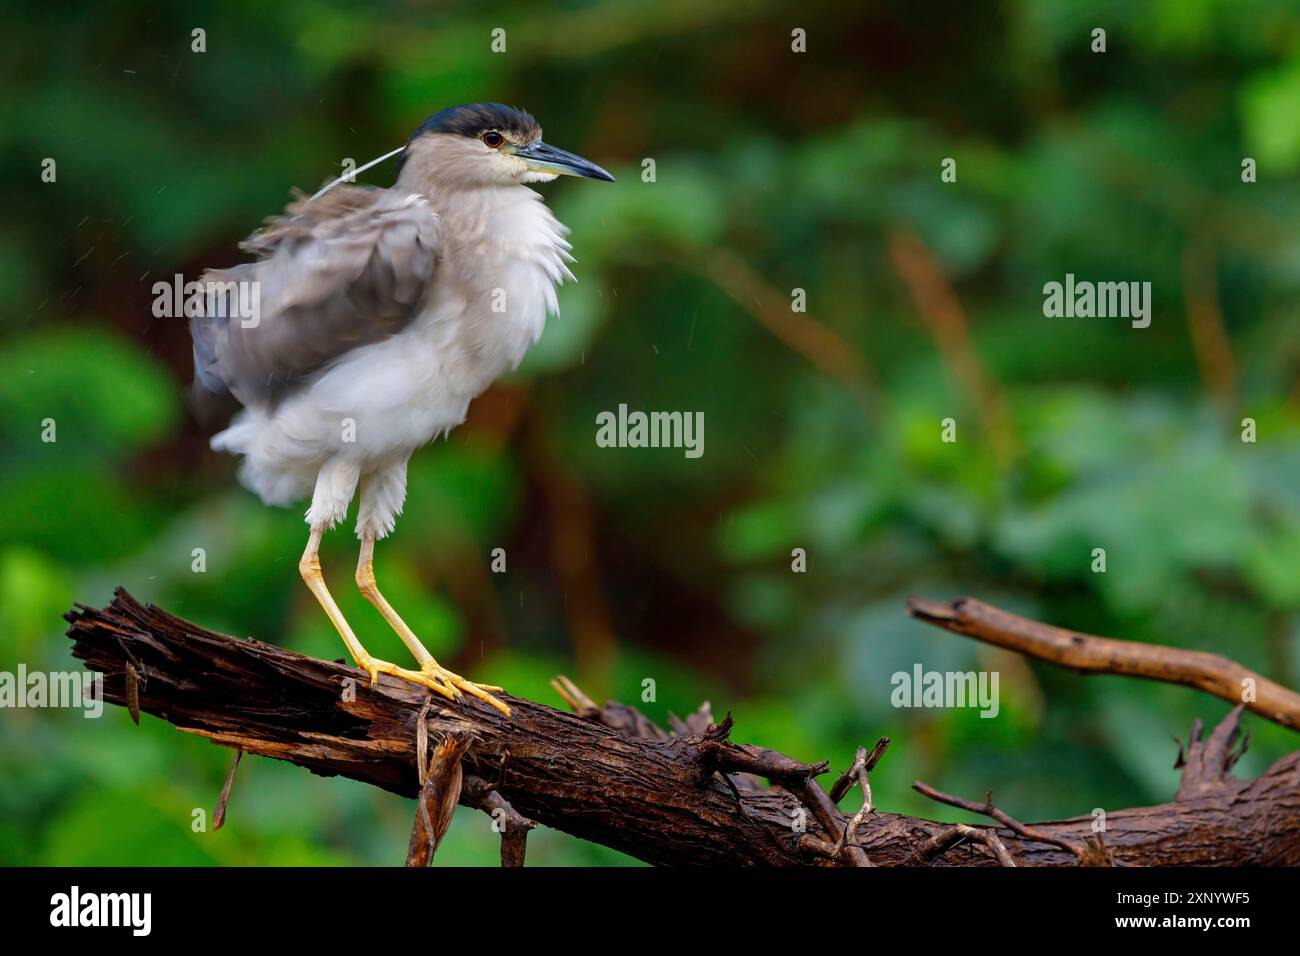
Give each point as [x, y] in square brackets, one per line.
[493, 138]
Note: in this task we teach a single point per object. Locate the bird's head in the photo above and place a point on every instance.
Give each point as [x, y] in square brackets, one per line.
[485, 144]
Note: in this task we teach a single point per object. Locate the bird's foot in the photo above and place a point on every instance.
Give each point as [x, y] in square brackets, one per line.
[432, 670]
[374, 667]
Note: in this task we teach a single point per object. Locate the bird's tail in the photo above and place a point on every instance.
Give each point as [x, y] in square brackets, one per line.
[275, 478]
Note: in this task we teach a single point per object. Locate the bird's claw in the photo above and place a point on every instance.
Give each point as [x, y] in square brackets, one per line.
[437, 678]
[375, 667]
[457, 684]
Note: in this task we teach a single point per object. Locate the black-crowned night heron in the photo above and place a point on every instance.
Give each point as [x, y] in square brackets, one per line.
[382, 314]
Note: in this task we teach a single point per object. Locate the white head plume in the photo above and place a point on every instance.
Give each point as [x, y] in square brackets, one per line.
[346, 177]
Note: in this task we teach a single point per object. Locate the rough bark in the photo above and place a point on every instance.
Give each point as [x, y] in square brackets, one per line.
[608, 775]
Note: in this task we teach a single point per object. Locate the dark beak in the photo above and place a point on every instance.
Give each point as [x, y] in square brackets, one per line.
[544, 158]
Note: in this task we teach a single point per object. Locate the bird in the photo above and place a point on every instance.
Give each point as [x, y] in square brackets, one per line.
[381, 313]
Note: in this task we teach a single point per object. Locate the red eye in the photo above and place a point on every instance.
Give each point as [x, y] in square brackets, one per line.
[493, 138]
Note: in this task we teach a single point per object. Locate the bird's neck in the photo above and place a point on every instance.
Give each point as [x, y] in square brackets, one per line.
[470, 215]
[495, 225]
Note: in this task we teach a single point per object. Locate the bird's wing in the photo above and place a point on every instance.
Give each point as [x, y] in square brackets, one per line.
[334, 274]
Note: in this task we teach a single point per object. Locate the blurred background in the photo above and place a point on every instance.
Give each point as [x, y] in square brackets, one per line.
[774, 171]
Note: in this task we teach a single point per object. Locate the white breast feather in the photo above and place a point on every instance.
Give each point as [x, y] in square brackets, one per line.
[504, 246]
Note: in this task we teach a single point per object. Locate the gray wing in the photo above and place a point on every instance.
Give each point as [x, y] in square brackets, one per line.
[334, 274]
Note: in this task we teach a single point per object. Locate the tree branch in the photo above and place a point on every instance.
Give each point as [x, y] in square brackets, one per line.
[1211, 673]
[610, 776]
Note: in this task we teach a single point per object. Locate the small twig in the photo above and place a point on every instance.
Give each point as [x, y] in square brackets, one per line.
[945, 840]
[614, 715]
[219, 814]
[817, 846]
[847, 779]
[989, 810]
[746, 758]
[816, 799]
[514, 825]
[573, 695]
[862, 762]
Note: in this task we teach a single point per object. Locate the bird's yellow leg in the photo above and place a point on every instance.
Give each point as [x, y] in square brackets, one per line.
[309, 568]
[429, 666]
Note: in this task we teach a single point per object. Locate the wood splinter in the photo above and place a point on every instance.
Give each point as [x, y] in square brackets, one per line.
[219, 814]
[441, 779]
